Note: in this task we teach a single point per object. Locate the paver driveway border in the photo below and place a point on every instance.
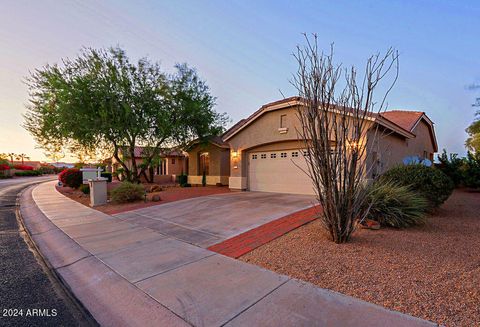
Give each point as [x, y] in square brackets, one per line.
[127, 275]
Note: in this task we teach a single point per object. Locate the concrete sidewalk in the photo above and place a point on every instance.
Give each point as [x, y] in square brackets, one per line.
[127, 275]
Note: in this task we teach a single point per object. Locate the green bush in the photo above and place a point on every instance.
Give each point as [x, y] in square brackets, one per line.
[127, 192]
[182, 179]
[107, 175]
[471, 170]
[85, 189]
[47, 169]
[452, 166]
[28, 173]
[428, 182]
[395, 205]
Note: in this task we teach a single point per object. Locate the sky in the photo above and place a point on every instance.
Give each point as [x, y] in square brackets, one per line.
[243, 49]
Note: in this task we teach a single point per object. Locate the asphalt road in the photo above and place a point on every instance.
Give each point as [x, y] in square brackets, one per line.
[28, 297]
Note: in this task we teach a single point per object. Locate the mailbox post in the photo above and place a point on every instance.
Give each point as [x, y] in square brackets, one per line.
[97, 184]
[98, 191]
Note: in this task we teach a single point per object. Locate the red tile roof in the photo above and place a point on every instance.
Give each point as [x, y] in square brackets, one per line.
[403, 118]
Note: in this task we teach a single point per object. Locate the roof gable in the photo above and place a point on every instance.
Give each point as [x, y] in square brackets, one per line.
[293, 101]
[405, 119]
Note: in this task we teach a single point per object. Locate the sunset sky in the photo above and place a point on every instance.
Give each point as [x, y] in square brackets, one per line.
[243, 49]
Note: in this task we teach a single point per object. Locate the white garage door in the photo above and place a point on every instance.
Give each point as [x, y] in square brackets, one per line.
[278, 171]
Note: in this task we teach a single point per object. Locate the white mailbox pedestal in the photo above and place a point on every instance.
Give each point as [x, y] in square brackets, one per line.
[98, 191]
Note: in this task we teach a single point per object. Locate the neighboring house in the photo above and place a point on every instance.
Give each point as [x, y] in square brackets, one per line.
[211, 158]
[172, 163]
[265, 153]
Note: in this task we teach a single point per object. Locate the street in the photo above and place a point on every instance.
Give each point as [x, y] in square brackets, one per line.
[28, 297]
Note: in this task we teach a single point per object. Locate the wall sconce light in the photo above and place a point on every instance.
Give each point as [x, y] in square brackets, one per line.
[234, 154]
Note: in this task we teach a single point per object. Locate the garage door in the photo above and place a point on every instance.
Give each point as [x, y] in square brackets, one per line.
[278, 171]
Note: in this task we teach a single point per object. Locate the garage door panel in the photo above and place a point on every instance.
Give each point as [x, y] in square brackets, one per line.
[279, 171]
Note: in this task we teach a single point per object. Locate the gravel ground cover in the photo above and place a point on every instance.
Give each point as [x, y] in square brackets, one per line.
[432, 271]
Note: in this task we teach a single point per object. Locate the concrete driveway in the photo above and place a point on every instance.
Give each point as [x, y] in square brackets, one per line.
[208, 220]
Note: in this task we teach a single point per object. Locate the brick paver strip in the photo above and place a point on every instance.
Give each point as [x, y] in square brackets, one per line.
[241, 244]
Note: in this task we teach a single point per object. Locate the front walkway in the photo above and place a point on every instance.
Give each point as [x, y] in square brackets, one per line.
[127, 275]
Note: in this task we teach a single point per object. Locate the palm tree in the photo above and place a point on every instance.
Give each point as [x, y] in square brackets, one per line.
[22, 156]
[11, 155]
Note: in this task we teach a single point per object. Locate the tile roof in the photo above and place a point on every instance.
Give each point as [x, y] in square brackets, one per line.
[403, 118]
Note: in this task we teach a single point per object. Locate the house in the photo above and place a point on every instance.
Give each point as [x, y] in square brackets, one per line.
[264, 152]
[171, 164]
[211, 158]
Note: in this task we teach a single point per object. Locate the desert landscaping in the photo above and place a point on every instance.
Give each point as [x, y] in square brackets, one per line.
[430, 271]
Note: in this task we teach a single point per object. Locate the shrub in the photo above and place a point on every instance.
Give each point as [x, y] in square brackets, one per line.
[395, 205]
[85, 189]
[28, 173]
[71, 177]
[428, 182]
[23, 167]
[4, 166]
[451, 166]
[182, 179]
[107, 175]
[47, 169]
[204, 179]
[471, 170]
[127, 192]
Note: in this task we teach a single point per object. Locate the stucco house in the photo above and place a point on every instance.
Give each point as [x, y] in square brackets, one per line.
[263, 152]
[173, 163]
[212, 158]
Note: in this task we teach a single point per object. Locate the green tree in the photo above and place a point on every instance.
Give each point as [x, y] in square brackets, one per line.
[101, 100]
[473, 140]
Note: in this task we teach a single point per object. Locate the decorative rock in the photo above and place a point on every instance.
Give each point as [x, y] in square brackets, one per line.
[156, 198]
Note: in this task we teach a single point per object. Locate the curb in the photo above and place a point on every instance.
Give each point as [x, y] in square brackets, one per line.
[107, 296]
[57, 282]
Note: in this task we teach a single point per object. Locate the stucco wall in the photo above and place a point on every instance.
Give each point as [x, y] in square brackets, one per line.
[263, 132]
[219, 164]
[391, 148]
[175, 165]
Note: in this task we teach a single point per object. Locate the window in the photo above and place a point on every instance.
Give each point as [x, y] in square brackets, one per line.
[273, 155]
[295, 154]
[305, 153]
[254, 156]
[425, 155]
[263, 156]
[283, 121]
[173, 161]
[283, 155]
[204, 163]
